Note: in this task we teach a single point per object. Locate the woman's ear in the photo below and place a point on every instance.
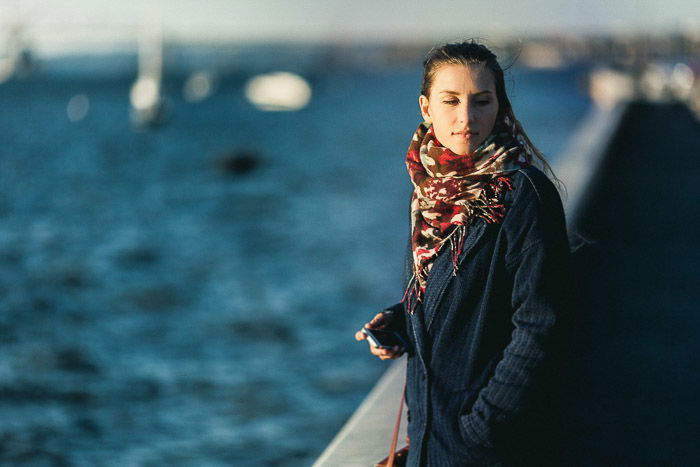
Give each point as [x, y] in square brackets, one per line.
[424, 110]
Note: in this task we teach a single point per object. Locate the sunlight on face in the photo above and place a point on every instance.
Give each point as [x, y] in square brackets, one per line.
[462, 106]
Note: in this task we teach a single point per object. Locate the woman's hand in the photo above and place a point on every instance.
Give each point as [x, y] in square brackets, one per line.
[381, 320]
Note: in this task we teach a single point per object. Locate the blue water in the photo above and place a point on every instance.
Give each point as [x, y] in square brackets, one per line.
[156, 309]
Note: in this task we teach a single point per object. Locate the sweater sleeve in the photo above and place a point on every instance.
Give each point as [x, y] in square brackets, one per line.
[537, 260]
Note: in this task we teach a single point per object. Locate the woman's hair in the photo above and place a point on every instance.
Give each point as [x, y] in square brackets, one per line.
[471, 52]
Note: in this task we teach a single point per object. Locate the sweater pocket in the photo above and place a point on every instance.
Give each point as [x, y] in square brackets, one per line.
[474, 449]
[449, 428]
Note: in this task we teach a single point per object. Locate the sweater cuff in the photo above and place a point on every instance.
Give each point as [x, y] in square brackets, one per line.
[472, 433]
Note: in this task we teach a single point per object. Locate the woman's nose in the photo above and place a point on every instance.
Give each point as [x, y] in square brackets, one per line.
[466, 113]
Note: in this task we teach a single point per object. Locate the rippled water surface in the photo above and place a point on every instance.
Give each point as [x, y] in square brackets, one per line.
[159, 309]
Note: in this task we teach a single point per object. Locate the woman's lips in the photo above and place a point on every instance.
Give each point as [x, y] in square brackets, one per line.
[466, 134]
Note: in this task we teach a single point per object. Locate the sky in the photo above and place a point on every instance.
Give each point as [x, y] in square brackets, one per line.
[60, 26]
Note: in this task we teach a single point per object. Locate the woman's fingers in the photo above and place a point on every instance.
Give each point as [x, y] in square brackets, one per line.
[376, 323]
[379, 321]
[386, 354]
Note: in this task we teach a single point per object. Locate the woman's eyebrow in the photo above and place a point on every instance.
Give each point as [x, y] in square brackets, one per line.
[455, 93]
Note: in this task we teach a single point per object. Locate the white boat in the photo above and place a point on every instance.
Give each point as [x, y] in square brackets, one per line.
[148, 106]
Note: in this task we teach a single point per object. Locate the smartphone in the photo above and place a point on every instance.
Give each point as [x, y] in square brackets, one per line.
[385, 339]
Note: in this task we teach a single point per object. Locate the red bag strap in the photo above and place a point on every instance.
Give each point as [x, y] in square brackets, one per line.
[392, 451]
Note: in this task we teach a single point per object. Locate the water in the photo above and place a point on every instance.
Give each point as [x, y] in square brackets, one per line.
[156, 309]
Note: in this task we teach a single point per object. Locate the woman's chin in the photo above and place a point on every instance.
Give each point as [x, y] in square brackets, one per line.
[462, 149]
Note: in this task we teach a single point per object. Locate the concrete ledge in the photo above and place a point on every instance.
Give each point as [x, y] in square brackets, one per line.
[631, 381]
[584, 153]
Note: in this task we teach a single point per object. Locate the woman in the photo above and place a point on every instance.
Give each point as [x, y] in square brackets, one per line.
[485, 278]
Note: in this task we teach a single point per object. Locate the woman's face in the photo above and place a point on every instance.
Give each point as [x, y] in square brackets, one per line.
[462, 106]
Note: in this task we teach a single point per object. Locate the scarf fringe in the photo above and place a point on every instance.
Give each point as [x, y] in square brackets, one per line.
[411, 295]
[489, 207]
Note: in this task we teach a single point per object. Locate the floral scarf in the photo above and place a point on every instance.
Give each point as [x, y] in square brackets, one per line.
[452, 190]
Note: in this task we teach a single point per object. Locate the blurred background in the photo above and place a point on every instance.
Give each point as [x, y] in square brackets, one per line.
[200, 202]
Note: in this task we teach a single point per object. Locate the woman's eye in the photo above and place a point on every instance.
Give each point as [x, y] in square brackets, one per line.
[450, 102]
[483, 102]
